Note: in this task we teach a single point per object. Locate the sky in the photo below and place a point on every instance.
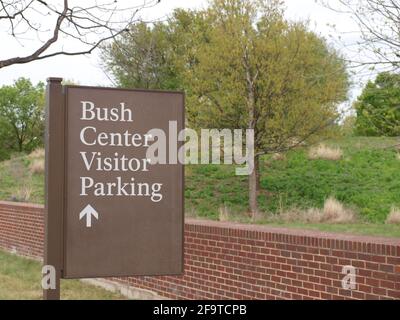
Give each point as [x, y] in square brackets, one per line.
[87, 70]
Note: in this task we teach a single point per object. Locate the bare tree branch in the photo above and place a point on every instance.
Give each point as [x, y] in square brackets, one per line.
[379, 24]
[89, 25]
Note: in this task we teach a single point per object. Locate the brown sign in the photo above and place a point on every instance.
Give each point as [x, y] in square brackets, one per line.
[122, 213]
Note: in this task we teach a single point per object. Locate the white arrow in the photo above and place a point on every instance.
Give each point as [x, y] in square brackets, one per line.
[89, 211]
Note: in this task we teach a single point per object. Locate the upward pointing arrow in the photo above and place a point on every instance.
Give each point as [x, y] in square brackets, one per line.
[89, 211]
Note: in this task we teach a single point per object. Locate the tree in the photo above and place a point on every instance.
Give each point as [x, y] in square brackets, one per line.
[5, 140]
[243, 66]
[378, 107]
[87, 23]
[142, 58]
[258, 71]
[157, 56]
[22, 116]
[379, 25]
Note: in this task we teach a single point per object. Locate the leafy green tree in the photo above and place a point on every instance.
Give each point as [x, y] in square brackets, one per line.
[5, 140]
[242, 66]
[22, 116]
[378, 107]
[142, 58]
[259, 71]
[157, 56]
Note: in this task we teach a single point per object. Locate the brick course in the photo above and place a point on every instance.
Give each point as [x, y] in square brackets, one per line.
[233, 261]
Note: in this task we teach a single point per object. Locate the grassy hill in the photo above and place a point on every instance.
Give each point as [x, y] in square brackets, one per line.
[365, 180]
[367, 177]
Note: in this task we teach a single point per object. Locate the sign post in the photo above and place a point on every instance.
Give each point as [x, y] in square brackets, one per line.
[111, 209]
[54, 183]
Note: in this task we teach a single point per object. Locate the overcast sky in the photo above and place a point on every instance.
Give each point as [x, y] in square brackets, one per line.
[87, 71]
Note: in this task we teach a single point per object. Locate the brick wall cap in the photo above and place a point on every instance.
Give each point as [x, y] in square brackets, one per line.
[294, 232]
[21, 204]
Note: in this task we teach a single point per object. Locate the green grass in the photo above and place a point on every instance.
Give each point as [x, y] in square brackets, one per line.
[20, 279]
[15, 176]
[366, 179]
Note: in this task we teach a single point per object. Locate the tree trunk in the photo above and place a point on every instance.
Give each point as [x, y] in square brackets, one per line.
[258, 173]
[20, 145]
[251, 105]
[253, 193]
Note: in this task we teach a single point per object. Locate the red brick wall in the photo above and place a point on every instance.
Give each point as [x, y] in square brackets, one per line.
[232, 261]
[22, 228]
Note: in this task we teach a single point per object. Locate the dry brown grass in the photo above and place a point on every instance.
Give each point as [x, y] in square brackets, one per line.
[191, 213]
[224, 214]
[23, 194]
[394, 216]
[37, 154]
[37, 166]
[336, 212]
[16, 170]
[333, 212]
[278, 157]
[324, 152]
[311, 215]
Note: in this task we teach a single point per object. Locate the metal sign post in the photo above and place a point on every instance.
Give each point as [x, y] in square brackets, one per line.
[54, 184]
